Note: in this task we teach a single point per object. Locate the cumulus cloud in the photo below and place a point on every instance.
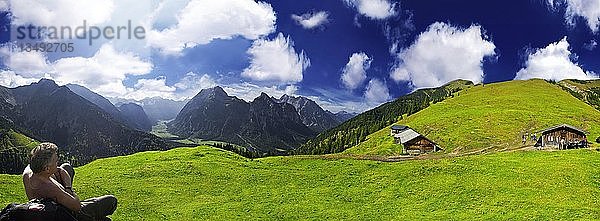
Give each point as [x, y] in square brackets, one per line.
[61, 12]
[155, 87]
[553, 63]
[31, 64]
[311, 20]
[248, 91]
[186, 88]
[4, 5]
[377, 92]
[275, 61]
[355, 72]
[202, 21]
[10, 79]
[587, 9]
[192, 83]
[443, 53]
[104, 72]
[591, 45]
[373, 9]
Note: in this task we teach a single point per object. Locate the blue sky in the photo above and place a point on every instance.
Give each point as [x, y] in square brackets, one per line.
[345, 54]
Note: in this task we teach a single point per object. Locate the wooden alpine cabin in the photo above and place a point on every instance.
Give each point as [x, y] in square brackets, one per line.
[412, 142]
[563, 136]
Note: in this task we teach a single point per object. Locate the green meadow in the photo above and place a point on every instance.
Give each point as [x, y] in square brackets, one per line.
[205, 183]
[491, 117]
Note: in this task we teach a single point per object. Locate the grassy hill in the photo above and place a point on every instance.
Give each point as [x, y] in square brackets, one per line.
[14, 150]
[491, 116]
[587, 91]
[209, 184]
[355, 130]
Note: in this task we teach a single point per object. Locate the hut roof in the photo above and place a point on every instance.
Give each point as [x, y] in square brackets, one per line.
[407, 135]
[563, 126]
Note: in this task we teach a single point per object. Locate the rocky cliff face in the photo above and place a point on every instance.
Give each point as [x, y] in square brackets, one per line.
[311, 113]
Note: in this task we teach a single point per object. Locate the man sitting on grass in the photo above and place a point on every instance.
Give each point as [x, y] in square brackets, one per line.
[43, 178]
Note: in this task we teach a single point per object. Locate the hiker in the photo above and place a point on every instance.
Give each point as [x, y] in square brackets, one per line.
[524, 138]
[43, 178]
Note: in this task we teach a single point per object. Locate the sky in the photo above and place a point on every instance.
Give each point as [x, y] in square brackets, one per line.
[349, 55]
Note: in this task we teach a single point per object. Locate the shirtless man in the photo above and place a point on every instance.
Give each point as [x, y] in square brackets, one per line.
[43, 178]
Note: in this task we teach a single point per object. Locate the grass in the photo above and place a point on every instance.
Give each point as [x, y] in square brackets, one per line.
[205, 183]
[491, 116]
[160, 130]
[11, 140]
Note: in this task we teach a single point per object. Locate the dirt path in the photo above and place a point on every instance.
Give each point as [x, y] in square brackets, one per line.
[455, 153]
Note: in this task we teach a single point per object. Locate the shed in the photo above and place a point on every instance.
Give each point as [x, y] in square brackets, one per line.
[563, 136]
[415, 142]
[396, 129]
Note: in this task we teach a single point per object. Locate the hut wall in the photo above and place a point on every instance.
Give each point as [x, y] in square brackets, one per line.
[554, 137]
[421, 144]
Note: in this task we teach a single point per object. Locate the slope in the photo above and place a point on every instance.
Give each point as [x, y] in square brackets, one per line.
[210, 184]
[587, 91]
[493, 116]
[355, 130]
[14, 149]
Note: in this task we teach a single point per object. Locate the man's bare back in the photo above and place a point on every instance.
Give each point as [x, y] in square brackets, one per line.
[45, 185]
[43, 178]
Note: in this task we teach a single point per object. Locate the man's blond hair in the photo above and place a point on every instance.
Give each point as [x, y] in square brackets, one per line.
[41, 156]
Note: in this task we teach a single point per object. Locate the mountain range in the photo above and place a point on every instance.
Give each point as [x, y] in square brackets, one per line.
[156, 108]
[128, 118]
[45, 111]
[263, 125]
[266, 125]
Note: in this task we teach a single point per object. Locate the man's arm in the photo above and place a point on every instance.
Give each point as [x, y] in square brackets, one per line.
[66, 199]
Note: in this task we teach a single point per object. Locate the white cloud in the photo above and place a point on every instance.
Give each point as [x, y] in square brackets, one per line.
[104, 72]
[28, 64]
[186, 88]
[444, 53]
[11, 79]
[591, 45]
[202, 21]
[354, 73]
[61, 12]
[311, 20]
[156, 87]
[4, 5]
[374, 9]
[192, 83]
[275, 61]
[587, 9]
[553, 63]
[248, 91]
[377, 92]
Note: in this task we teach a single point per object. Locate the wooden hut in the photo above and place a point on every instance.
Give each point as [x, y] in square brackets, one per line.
[563, 137]
[414, 143]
